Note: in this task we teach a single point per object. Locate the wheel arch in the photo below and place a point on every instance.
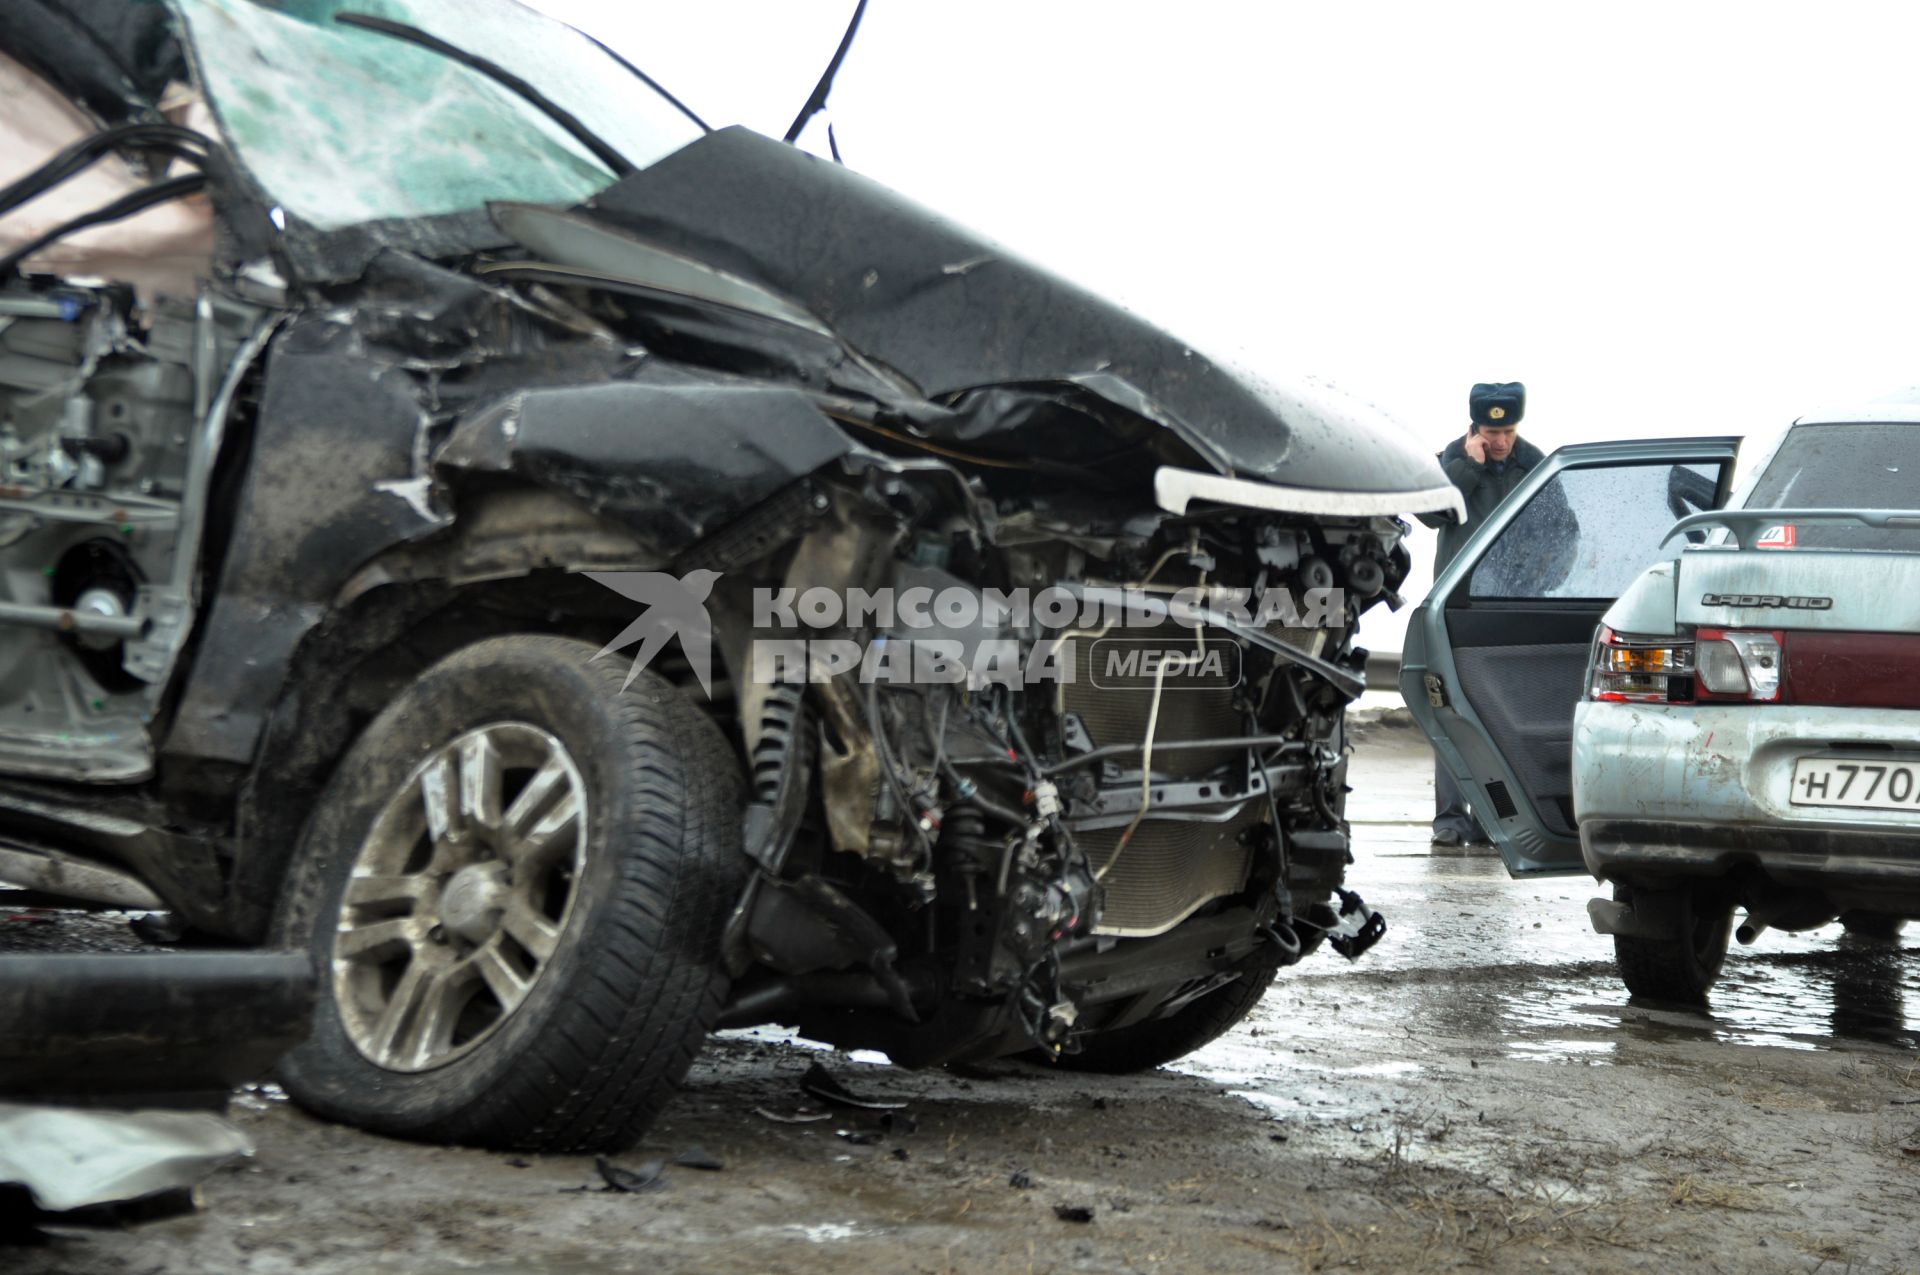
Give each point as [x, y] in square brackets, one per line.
[511, 564]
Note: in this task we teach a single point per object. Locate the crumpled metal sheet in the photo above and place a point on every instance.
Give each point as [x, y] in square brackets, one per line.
[113, 57]
[674, 461]
[72, 1159]
[955, 313]
[334, 454]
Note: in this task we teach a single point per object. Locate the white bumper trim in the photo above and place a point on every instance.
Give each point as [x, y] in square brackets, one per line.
[1175, 489]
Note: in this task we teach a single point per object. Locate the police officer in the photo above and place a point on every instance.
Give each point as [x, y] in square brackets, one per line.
[1486, 465]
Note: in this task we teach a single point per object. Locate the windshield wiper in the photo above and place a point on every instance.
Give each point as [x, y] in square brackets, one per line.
[616, 163]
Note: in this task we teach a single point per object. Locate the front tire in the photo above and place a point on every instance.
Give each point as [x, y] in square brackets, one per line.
[1682, 968]
[514, 888]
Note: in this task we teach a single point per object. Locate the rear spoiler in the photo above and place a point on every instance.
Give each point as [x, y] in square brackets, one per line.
[1748, 524]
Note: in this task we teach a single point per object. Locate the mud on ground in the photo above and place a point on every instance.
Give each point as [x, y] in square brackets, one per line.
[1474, 1094]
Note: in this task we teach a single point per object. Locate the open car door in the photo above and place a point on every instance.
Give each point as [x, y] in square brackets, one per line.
[1496, 657]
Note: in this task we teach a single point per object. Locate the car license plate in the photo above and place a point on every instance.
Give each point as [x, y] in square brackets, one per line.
[1857, 782]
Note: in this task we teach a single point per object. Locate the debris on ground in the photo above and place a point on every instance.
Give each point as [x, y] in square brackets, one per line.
[70, 1159]
[699, 1158]
[802, 1116]
[1021, 1180]
[821, 1084]
[1073, 1212]
[630, 1181]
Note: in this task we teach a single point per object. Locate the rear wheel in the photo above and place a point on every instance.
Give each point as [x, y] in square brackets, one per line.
[1683, 967]
[513, 889]
[1159, 1041]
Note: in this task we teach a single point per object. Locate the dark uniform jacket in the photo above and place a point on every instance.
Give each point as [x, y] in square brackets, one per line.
[1483, 485]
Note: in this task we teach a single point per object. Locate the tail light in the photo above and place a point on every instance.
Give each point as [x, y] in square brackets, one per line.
[1758, 666]
[1637, 670]
[1738, 664]
[1717, 666]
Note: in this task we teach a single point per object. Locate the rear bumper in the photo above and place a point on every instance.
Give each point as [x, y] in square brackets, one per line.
[1856, 869]
[1671, 791]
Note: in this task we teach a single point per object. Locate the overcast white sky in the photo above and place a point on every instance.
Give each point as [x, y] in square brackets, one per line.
[1664, 218]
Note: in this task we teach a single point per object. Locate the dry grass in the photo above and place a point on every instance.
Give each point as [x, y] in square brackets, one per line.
[1789, 1100]
[1899, 1142]
[1906, 1075]
[1820, 1246]
[1410, 1130]
[1692, 1192]
[1316, 1246]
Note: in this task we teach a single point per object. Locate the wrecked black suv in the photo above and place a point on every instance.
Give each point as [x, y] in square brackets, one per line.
[377, 382]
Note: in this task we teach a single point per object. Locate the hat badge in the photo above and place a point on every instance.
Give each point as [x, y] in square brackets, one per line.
[1497, 413]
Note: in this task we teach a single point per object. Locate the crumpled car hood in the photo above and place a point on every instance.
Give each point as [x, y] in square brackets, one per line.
[956, 314]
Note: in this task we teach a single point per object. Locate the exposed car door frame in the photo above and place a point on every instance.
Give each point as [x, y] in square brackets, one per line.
[1429, 677]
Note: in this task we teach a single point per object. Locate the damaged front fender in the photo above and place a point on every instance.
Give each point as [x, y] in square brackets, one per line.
[674, 462]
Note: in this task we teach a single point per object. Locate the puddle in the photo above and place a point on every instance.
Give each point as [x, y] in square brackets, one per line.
[1481, 967]
[1834, 999]
[1847, 993]
[827, 1232]
[1486, 957]
[1592, 1053]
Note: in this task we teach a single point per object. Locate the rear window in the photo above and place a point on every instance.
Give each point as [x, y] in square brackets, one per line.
[1871, 465]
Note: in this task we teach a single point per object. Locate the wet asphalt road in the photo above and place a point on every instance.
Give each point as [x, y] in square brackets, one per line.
[1505, 968]
[1474, 1093]
[1538, 980]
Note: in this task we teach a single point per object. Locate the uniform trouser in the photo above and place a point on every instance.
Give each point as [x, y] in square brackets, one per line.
[1450, 812]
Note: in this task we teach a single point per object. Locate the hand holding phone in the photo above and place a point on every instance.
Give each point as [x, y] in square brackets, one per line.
[1475, 446]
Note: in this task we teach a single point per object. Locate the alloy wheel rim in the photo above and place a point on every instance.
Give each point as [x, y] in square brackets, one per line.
[459, 896]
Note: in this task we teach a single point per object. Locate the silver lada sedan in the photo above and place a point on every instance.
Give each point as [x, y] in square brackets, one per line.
[1715, 715]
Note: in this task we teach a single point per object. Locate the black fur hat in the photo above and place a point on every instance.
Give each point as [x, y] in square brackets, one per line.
[1497, 403]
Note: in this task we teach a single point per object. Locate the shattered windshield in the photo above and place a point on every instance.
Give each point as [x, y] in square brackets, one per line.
[342, 126]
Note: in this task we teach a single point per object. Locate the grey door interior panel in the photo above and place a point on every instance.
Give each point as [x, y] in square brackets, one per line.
[1525, 696]
[1493, 673]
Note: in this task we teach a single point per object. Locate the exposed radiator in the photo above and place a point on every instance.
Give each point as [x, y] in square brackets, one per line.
[1114, 709]
[1170, 867]
[1168, 870]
